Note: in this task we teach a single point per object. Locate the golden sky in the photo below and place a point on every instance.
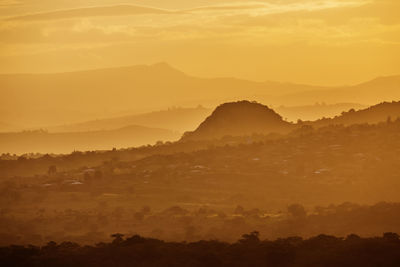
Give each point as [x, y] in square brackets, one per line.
[326, 42]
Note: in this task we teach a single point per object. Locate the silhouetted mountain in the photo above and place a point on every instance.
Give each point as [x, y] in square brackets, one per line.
[115, 89]
[177, 119]
[374, 114]
[44, 142]
[378, 90]
[234, 119]
[239, 118]
[87, 95]
[385, 82]
[316, 111]
[64, 98]
[186, 119]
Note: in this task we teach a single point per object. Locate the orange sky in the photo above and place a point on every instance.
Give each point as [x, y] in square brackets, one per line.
[327, 42]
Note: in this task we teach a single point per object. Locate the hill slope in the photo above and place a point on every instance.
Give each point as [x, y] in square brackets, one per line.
[374, 114]
[316, 111]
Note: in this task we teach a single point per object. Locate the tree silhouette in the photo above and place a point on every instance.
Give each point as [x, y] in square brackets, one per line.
[251, 238]
[52, 170]
[297, 211]
[118, 238]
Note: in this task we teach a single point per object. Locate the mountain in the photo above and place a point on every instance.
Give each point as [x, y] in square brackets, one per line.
[374, 114]
[316, 111]
[378, 90]
[31, 100]
[186, 119]
[239, 118]
[176, 119]
[113, 89]
[44, 142]
[233, 118]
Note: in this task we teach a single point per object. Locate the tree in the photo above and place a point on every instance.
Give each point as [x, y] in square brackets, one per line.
[297, 211]
[251, 238]
[391, 236]
[52, 170]
[118, 238]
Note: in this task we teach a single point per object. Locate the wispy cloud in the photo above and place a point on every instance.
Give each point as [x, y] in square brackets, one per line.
[103, 11]
[251, 8]
[9, 3]
[262, 8]
[250, 22]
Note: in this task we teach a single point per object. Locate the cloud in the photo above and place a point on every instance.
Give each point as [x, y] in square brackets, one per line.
[234, 8]
[255, 23]
[6, 3]
[262, 8]
[227, 7]
[103, 11]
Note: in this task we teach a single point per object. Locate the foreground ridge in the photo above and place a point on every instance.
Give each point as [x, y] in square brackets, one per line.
[322, 250]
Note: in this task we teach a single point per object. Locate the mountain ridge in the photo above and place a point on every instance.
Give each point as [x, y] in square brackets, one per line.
[381, 112]
[110, 90]
[241, 118]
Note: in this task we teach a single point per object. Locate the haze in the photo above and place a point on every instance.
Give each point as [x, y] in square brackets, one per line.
[200, 133]
[324, 42]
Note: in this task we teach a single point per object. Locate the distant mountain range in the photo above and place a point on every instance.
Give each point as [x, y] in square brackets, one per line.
[44, 142]
[378, 90]
[187, 119]
[78, 96]
[316, 111]
[230, 119]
